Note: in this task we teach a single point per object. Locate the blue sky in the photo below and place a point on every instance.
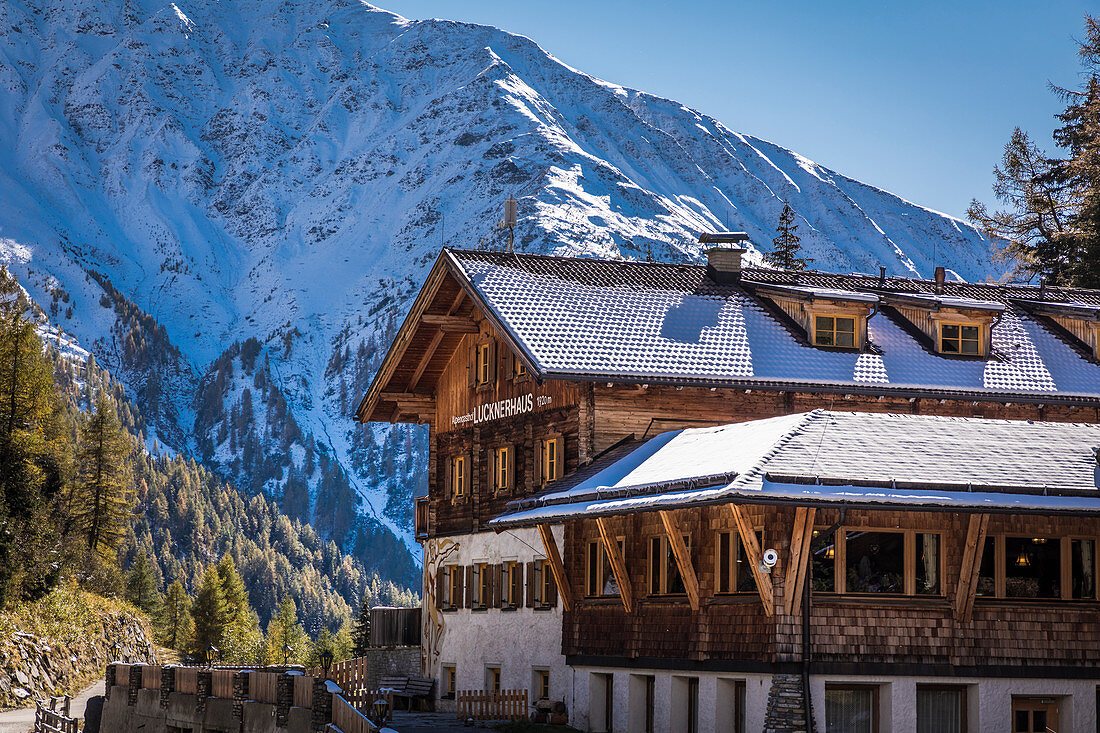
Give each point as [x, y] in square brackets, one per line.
[916, 98]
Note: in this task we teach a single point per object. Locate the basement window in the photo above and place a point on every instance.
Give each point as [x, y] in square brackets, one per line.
[851, 709]
[449, 675]
[492, 678]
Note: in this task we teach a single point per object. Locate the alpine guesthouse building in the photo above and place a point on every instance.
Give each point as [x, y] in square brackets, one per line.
[677, 497]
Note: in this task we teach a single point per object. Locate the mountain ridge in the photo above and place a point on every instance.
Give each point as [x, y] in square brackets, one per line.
[195, 176]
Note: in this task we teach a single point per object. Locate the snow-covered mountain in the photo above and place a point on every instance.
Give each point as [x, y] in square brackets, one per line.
[232, 204]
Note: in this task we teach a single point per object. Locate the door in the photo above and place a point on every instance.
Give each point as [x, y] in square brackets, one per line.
[1034, 715]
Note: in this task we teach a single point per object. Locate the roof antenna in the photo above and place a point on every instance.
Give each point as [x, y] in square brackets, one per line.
[509, 221]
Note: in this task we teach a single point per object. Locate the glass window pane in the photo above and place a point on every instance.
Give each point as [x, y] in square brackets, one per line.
[746, 583]
[1039, 721]
[849, 711]
[844, 338]
[876, 562]
[848, 325]
[928, 564]
[675, 581]
[724, 562]
[1083, 566]
[1023, 719]
[824, 559]
[1033, 567]
[655, 565]
[939, 711]
[950, 331]
[987, 584]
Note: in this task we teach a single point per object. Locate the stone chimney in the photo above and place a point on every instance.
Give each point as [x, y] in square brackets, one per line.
[724, 264]
[724, 257]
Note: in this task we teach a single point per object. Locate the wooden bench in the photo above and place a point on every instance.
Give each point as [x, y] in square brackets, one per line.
[410, 688]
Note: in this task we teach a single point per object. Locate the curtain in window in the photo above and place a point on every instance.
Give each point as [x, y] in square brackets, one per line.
[928, 548]
[939, 711]
[849, 711]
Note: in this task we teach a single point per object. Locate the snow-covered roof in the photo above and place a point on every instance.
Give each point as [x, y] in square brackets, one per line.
[947, 301]
[853, 296]
[599, 319]
[849, 457]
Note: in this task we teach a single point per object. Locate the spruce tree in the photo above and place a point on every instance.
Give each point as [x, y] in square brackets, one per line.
[787, 249]
[141, 585]
[209, 613]
[176, 625]
[242, 641]
[101, 498]
[284, 631]
[360, 634]
[1050, 225]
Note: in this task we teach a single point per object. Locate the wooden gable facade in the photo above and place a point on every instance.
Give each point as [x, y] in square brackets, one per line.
[455, 367]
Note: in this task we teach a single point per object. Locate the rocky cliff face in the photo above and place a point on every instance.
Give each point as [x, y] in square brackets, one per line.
[34, 667]
[232, 204]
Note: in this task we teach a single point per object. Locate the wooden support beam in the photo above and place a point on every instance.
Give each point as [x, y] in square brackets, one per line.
[971, 565]
[618, 565]
[425, 360]
[683, 558]
[752, 553]
[451, 324]
[798, 559]
[556, 566]
[408, 398]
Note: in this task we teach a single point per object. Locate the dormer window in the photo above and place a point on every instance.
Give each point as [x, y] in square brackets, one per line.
[1080, 321]
[838, 331]
[830, 318]
[955, 326]
[958, 338]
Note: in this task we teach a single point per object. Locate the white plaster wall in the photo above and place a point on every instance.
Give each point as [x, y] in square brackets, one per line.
[989, 701]
[630, 699]
[516, 640]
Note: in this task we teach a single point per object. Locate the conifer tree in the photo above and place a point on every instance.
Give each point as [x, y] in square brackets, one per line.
[176, 625]
[32, 462]
[1050, 225]
[786, 251]
[102, 497]
[360, 635]
[284, 631]
[141, 585]
[209, 613]
[242, 639]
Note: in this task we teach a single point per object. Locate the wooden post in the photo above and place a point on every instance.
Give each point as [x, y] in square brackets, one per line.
[618, 565]
[799, 558]
[971, 565]
[556, 566]
[752, 551]
[683, 558]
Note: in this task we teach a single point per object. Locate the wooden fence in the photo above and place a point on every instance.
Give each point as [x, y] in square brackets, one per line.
[394, 626]
[263, 686]
[489, 705]
[150, 677]
[187, 680]
[221, 683]
[122, 675]
[52, 716]
[348, 719]
[303, 691]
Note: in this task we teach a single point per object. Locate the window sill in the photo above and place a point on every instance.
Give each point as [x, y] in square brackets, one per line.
[733, 599]
[509, 608]
[664, 600]
[479, 609]
[543, 608]
[873, 599]
[448, 696]
[1009, 601]
[449, 609]
[602, 601]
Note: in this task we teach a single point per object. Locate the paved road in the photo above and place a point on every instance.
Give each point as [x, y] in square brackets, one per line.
[21, 720]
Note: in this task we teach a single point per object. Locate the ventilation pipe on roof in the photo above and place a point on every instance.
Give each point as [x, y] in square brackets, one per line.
[724, 258]
[882, 276]
[941, 276]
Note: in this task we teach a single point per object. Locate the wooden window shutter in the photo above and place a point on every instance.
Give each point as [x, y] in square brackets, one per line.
[510, 476]
[498, 585]
[531, 585]
[492, 361]
[507, 361]
[551, 586]
[447, 469]
[471, 479]
[457, 593]
[469, 586]
[517, 585]
[441, 574]
[471, 367]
